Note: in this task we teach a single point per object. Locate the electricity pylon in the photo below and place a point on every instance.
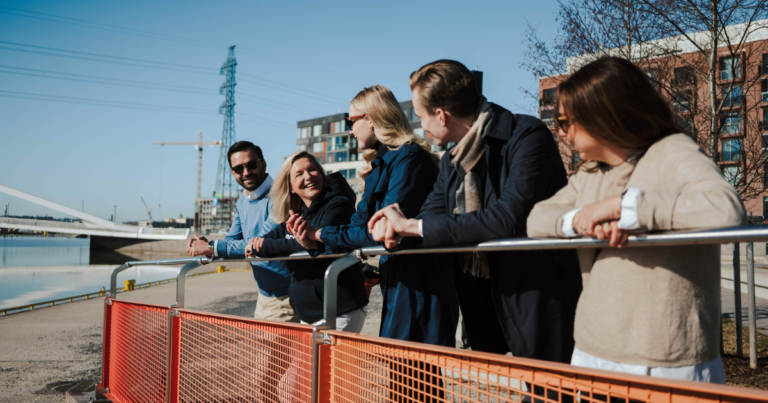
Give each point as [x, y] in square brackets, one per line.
[225, 184]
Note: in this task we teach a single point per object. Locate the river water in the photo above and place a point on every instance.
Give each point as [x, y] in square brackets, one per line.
[34, 269]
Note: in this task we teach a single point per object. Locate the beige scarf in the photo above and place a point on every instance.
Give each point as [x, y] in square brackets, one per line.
[470, 194]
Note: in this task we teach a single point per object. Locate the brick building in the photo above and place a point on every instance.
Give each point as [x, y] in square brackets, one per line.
[742, 113]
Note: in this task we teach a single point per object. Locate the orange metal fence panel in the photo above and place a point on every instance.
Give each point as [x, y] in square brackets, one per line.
[235, 359]
[370, 369]
[138, 346]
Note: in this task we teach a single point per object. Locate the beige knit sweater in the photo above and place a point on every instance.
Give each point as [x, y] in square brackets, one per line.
[660, 306]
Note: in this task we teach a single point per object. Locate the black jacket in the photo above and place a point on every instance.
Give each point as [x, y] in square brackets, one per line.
[533, 293]
[334, 207]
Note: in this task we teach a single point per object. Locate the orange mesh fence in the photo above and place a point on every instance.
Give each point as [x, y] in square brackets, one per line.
[233, 359]
[367, 369]
[221, 358]
[138, 346]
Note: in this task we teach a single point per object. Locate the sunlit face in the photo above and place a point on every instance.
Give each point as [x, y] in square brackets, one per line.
[362, 130]
[306, 180]
[250, 179]
[432, 124]
[581, 141]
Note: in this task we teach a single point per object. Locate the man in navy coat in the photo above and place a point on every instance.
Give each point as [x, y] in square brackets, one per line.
[521, 302]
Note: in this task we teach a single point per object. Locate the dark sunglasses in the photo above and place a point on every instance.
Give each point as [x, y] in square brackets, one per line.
[251, 165]
[562, 122]
[352, 119]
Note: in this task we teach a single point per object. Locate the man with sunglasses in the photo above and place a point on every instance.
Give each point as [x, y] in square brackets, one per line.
[252, 220]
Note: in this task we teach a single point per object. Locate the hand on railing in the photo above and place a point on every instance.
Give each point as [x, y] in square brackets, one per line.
[198, 246]
[254, 244]
[389, 225]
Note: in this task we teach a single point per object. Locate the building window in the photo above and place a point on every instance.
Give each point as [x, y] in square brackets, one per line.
[303, 132]
[338, 127]
[732, 150]
[548, 97]
[684, 76]
[731, 123]
[764, 90]
[732, 96]
[340, 156]
[320, 160]
[317, 130]
[730, 68]
[413, 115]
[732, 174]
[419, 132]
[762, 69]
[348, 173]
[548, 117]
[686, 124]
[317, 147]
[302, 147]
[683, 100]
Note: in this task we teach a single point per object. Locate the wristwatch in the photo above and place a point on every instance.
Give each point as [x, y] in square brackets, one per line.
[211, 249]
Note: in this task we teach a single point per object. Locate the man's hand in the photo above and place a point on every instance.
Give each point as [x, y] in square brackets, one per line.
[198, 246]
[592, 215]
[394, 228]
[610, 231]
[254, 244]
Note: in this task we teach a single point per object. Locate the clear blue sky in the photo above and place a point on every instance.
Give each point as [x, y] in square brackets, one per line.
[296, 60]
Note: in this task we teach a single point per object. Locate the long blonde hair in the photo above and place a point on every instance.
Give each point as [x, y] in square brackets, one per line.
[280, 193]
[390, 125]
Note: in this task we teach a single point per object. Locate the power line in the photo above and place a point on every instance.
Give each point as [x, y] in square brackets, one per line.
[186, 66]
[147, 85]
[99, 60]
[155, 35]
[132, 105]
[114, 28]
[291, 87]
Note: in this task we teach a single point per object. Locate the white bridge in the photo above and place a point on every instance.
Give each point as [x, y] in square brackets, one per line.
[90, 225]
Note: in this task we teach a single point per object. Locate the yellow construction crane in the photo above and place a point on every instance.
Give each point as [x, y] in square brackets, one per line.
[199, 146]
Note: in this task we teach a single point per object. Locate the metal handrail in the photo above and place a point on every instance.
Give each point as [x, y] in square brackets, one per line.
[753, 233]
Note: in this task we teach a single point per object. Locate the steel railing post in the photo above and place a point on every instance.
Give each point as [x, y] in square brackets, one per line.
[103, 387]
[174, 346]
[329, 312]
[752, 308]
[737, 298]
[113, 279]
[181, 278]
[332, 286]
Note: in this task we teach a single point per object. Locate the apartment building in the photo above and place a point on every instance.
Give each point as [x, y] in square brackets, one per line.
[328, 139]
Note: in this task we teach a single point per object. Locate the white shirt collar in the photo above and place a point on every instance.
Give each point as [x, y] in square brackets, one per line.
[260, 191]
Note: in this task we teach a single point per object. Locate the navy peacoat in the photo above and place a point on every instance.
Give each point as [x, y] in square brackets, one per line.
[420, 303]
[528, 304]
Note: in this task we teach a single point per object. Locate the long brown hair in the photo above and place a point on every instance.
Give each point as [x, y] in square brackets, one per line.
[615, 102]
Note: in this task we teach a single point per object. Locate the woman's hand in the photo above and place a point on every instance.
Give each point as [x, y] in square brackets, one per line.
[592, 215]
[390, 226]
[304, 233]
[254, 244]
[610, 231]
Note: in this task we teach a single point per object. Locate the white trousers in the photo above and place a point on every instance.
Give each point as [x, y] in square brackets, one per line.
[351, 321]
[710, 372]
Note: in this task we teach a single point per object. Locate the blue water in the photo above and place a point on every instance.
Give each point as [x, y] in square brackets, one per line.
[34, 269]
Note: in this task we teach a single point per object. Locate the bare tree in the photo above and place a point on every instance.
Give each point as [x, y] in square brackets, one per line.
[691, 49]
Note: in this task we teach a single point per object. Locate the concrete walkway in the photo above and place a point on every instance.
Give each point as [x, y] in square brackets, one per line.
[728, 309]
[50, 346]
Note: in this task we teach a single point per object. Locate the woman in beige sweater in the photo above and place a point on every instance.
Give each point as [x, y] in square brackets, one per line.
[646, 311]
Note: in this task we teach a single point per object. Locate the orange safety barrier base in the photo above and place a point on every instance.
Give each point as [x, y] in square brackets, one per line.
[209, 357]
